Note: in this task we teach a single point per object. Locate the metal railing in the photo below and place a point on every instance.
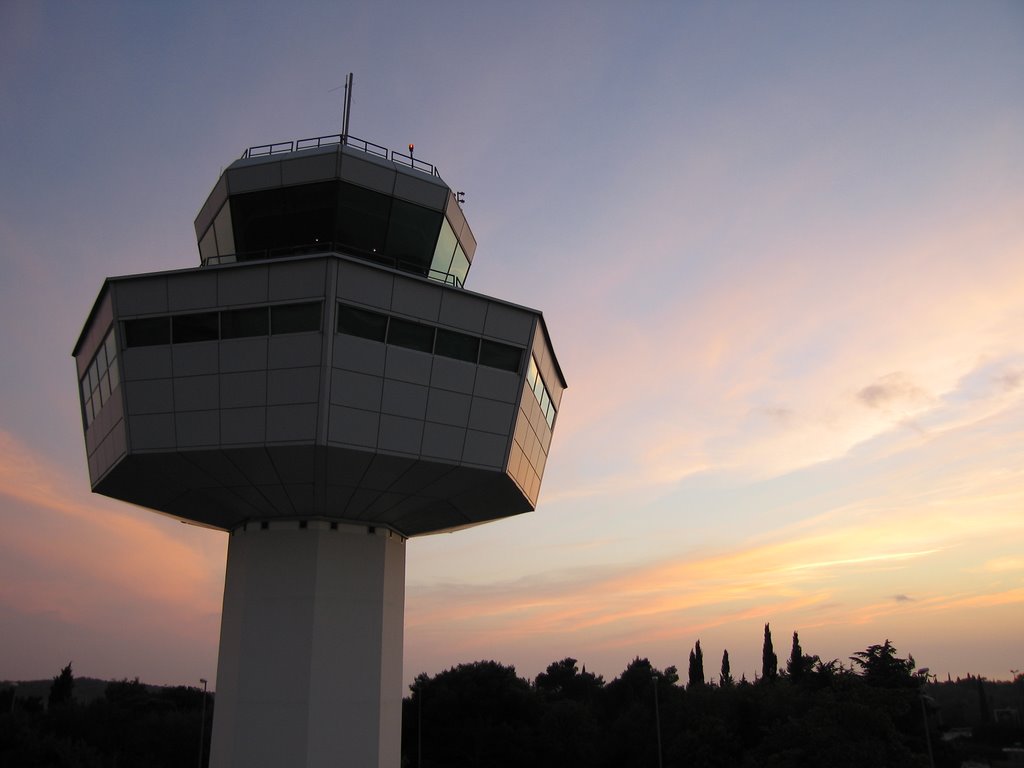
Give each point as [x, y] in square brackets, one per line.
[316, 142]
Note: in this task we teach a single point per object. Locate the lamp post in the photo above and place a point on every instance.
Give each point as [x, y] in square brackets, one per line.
[657, 714]
[202, 724]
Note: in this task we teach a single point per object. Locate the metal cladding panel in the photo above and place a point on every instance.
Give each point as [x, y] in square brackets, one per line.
[249, 178]
[212, 205]
[192, 291]
[310, 166]
[422, 190]
[463, 311]
[372, 174]
[141, 296]
[248, 284]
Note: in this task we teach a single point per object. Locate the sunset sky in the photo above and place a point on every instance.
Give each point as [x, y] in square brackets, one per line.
[779, 247]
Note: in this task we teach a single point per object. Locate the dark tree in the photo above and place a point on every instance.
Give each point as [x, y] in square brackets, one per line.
[62, 688]
[799, 665]
[696, 671]
[983, 708]
[726, 676]
[769, 661]
[563, 679]
[882, 668]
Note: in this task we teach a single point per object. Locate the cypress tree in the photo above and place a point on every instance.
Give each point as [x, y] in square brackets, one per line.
[696, 667]
[726, 680]
[769, 661]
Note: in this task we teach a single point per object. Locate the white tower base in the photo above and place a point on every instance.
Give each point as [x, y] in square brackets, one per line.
[310, 667]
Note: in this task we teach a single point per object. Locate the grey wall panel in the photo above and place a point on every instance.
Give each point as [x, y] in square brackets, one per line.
[490, 416]
[453, 375]
[361, 355]
[242, 285]
[400, 434]
[211, 206]
[318, 165]
[191, 290]
[150, 396]
[250, 178]
[422, 191]
[197, 428]
[141, 296]
[195, 359]
[146, 363]
[497, 384]
[364, 285]
[287, 423]
[150, 431]
[463, 311]
[416, 299]
[359, 390]
[508, 324]
[447, 407]
[248, 388]
[407, 365]
[293, 385]
[484, 449]
[297, 280]
[368, 173]
[295, 350]
[196, 393]
[442, 441]
[244, 354]
[353, 426]
[403, 399]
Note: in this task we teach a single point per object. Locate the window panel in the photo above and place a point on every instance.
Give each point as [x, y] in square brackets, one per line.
[104, 389]
[412, 235]
[362, 219]
[202, 326]
[460, 266]
[147, 332]
[442, 260]
[295, 318]
[242, 323]
[459, 346]
[502, 356]
[114, 375]
[404, 333]
[111, 344]
[362, 323]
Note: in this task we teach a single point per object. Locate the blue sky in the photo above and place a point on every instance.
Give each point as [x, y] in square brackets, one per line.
[778, 247]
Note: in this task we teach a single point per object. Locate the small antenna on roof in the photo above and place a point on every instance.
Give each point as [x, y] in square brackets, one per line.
[347, 109]
[346, 106]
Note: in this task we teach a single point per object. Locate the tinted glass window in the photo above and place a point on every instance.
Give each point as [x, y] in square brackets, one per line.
[258, 220]
[460, 266]
[198, 327]
[404, 333]
[239, 323]
[362, 220]
[412, 235]
[362, 323]
[456, 345]
[309, 213]
[147, 332]
[295, 318]
[501, 356]
[442, 260]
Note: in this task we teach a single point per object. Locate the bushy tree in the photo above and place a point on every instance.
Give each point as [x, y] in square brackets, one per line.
[882, 668]
[62, 689]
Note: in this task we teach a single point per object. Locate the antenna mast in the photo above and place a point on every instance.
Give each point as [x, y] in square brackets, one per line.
[346, 109]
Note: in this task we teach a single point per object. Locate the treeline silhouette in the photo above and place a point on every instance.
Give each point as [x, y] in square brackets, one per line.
[131, 724]
[873, 709]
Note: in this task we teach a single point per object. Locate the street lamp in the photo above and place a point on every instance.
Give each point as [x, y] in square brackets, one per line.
[657, 714]
[202, 724]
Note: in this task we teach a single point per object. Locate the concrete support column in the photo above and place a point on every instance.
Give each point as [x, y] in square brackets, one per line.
[310, 667]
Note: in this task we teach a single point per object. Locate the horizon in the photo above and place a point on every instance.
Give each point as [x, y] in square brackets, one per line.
[778, 251]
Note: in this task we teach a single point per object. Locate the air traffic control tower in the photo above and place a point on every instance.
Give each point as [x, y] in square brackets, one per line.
[322, 387]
